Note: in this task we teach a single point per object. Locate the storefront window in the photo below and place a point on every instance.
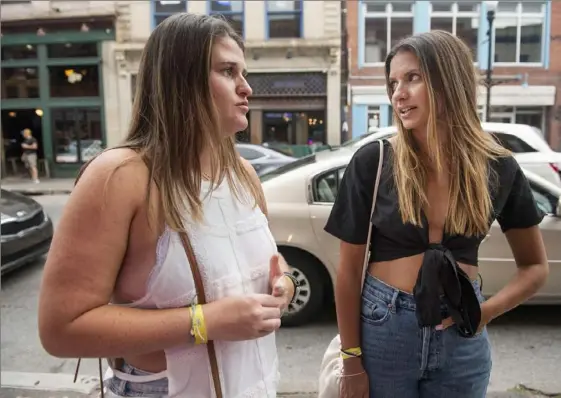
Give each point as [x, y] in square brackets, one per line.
[530, 115]
[20, 83]
[72, 50]
[74, 81]
[294, 128]
[245, 136]
[23, 51]
[77, 134]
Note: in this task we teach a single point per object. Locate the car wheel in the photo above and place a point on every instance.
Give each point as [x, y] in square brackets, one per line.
[309, 272]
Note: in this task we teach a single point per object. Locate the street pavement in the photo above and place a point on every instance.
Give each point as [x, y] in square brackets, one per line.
[526, 346]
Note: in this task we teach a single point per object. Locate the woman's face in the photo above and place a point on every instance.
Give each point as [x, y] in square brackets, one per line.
[228, 85]
[410, 96]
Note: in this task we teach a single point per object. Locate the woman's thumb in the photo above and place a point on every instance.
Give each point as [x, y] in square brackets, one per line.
[274, 264]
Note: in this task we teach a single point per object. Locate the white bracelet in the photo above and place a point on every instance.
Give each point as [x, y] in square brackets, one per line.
[355, 374]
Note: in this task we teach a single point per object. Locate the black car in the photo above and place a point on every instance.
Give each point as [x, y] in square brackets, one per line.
[26, 230]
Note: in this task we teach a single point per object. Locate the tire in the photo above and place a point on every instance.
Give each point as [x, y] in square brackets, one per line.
[311, 275]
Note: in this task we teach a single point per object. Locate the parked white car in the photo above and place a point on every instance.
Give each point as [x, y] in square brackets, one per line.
[300, 196]
[528, 145]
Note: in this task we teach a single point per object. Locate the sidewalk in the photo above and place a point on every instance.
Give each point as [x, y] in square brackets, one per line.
[53, 186]
[18, 393]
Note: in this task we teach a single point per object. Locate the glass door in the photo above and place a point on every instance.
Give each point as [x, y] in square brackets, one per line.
[77, 134]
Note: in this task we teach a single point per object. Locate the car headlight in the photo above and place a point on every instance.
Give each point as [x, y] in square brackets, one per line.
[6, 218]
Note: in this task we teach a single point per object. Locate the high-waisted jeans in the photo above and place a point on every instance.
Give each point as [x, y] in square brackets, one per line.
[406, 361]
[133, 382]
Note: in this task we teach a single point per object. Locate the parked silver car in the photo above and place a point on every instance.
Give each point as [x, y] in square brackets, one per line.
[263, 159]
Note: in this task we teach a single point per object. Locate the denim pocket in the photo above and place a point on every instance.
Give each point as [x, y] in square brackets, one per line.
[374, 310]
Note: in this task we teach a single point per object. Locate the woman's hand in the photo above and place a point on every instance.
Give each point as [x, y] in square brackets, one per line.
[486, 317]
[242, 318]
[354, 380]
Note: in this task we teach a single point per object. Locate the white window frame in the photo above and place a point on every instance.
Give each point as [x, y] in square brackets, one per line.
[372, 112]
[388, 14]
[520, 16]
[454, 14]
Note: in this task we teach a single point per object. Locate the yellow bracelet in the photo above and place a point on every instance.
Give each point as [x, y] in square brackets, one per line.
[198, 325]
[351, 353]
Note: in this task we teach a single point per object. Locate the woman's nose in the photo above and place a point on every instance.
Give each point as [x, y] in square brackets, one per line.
[400, 93]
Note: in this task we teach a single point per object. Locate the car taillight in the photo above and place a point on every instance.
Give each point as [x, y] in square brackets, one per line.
[555, 168]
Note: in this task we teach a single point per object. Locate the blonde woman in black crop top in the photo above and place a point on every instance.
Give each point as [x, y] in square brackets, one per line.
[418, 330]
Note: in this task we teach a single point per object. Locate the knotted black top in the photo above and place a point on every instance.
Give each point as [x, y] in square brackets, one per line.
[440, 278]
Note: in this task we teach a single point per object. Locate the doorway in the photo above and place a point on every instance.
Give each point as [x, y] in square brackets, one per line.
[14, 121]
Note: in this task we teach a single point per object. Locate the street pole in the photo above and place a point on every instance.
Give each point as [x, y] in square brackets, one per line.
[488, 79]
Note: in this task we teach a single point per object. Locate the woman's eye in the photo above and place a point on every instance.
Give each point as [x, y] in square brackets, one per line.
[228, 72]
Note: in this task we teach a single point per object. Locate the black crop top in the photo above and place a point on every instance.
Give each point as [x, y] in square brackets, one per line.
[513, 204]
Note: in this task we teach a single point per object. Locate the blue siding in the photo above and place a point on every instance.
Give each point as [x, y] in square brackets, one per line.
[153, 14]
[384, 115]
[482, 38]
[360, 120]
[547, 36]
[421, 17]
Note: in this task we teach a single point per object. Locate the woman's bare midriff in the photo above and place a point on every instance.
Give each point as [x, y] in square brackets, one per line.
[402, 272]
[153, 363]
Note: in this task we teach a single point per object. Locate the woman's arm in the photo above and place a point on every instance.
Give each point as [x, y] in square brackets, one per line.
[88, 248]
[83, 263]
[350, 222]
[348, 297]
[519, 220]
[531, 259]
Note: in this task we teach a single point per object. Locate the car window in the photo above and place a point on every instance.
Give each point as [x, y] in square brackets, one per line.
[300, 162]
[326, 186]
[248, 153]
[513, 143]
[545, 200]
[353, 141]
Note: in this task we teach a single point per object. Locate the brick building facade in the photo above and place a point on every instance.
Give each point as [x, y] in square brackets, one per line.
[526, 48]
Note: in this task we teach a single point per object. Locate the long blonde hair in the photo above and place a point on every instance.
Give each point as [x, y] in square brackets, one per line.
[174, 117]
[447, 67]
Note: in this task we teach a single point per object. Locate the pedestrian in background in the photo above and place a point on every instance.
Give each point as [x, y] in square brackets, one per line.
[419, 327]
[29, 149]
[171, 212]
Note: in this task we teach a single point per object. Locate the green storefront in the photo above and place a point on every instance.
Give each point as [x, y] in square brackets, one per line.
[52, 83]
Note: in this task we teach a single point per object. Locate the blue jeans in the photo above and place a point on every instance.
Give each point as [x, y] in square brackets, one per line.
[124, 388]
[406, 361]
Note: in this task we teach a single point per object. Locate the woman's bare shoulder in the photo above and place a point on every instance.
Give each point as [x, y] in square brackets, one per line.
[119, 168]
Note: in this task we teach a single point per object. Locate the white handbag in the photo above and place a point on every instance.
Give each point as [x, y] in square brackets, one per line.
[332, 363]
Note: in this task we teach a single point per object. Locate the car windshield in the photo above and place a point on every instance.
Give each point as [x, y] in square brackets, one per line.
[353, 141]
[288, 167]
[282, 151]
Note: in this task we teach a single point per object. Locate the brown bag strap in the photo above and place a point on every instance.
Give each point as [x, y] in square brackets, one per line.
[201, 299]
